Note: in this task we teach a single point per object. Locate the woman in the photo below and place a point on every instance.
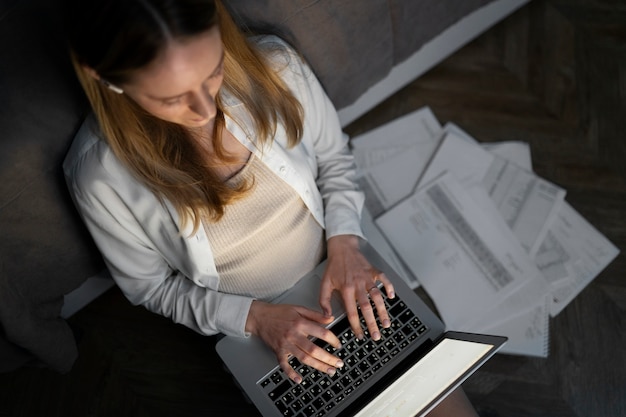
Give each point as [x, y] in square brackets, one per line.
[214, 174]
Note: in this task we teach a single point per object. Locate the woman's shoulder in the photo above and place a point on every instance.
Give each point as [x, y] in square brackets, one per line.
[90, 159]
[272, 44]
[280, 54]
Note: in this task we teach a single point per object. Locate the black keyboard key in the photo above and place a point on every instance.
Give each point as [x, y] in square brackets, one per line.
[350, 361]
[284, 410]
[280, 390]
[324, 383]
[304, 371]
[328, 395]
[373, 358]
[308, 411]
[346, 381]
[297, 390]
[276, 377]
[397, 309]
[319, 403]
[297, 406]
[306, 398]
[406, 316]
[367, 374]
[294, 362]
[287, 398]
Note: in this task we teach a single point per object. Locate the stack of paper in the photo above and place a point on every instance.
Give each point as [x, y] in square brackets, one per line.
[496, 247]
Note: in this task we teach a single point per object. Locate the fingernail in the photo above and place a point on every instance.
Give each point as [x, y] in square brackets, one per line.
[386, 323]
[359, 336]
[376, 336]
[297, 380]
[339, 364]
[331, 371]
[391, 294]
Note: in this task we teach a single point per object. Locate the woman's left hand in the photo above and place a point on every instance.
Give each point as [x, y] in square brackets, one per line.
[350, 273]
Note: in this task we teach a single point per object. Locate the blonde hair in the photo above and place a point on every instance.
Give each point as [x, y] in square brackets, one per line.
[162, 154]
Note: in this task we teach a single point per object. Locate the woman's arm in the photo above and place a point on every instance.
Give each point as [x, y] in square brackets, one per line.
[148, 255]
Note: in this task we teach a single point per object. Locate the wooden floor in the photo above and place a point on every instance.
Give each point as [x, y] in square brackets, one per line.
[553, 75]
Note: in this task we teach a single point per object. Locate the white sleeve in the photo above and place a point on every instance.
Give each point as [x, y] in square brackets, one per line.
[336, 175]
[142, 255]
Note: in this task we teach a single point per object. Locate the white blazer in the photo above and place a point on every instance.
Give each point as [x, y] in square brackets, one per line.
[160, 264]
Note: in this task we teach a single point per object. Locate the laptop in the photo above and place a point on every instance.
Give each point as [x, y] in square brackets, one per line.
[410, 370]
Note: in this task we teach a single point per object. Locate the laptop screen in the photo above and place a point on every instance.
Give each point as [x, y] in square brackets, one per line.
[422, 386]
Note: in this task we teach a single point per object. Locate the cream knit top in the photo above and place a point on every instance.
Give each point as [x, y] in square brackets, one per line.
[266, 241]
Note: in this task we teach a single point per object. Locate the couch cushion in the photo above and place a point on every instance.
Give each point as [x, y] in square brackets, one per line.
[45, 251]
[347, 43]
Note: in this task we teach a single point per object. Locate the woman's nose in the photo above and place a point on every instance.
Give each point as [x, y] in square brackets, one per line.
[203, 103]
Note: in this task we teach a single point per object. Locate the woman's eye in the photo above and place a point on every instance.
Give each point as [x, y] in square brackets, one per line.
[217, 72]
[171, 102]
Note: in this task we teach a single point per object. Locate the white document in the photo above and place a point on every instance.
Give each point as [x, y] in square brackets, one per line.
[528, 332]
[531, 296]
[527, 202]
[513, 151]
[467, 263]
[378, 242]
[571, 256]
[391, 158]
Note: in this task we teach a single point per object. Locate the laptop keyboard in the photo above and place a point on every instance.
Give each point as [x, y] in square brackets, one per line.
[319, 393]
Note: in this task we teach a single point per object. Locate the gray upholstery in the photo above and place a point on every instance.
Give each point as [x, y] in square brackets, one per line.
[352, 44]
[45, 251]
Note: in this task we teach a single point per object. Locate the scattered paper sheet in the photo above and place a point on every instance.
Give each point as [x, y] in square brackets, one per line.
[572, 255]
[463, 261]
[391, 159]
[527, 202]
[528, 332]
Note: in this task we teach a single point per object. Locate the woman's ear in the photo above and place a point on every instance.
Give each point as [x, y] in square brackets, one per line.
[92, 73]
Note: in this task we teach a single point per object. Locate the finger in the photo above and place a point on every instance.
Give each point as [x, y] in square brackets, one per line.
[283, 360]
[326, 292]
[377, 298]
[319, 332]
[368, 314]
[318, 358]
[313, 315]
[389, 290]
[352, 313]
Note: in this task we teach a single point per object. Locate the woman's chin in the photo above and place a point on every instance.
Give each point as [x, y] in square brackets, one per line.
[196, 123]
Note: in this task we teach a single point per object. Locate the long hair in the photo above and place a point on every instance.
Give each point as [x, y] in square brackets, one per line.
[118, 37]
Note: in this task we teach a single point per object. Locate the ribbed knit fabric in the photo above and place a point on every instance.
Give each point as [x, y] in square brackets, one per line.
[266, 241]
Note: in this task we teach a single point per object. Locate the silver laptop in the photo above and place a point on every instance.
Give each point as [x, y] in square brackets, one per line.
[410, 370]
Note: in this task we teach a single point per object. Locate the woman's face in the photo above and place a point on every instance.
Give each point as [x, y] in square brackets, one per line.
[181, 84]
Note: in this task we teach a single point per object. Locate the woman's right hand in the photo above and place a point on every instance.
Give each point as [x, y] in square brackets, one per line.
[287, 330]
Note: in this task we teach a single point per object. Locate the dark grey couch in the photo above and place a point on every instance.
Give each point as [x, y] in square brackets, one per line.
[45, 252]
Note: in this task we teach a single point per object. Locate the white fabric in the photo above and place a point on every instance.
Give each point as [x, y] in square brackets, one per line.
[154, 260]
